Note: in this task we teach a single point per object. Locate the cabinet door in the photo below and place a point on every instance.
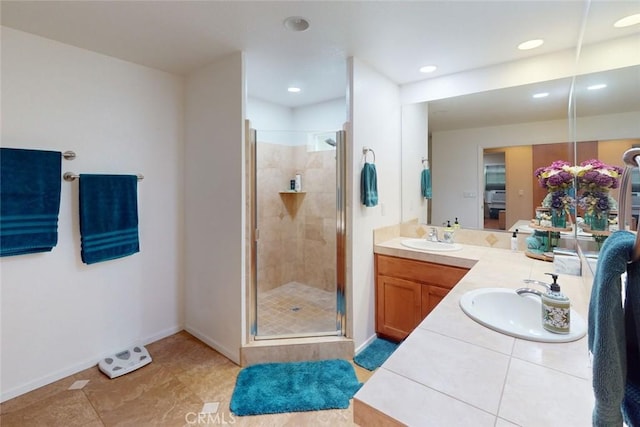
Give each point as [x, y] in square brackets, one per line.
[431, 296]
[398, 306]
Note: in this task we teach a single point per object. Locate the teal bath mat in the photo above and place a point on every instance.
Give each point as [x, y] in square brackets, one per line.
[272, 388]
[375, 354]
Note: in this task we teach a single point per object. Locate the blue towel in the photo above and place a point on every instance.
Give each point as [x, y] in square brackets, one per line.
[425, 183]
[108, 217]
[613, 341]
[29, 200]
[369, 185]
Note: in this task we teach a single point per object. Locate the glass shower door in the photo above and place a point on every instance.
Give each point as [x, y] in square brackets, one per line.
[299, 250]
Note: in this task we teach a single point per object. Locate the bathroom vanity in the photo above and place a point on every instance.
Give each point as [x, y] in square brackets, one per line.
[452, 371]
[407, 291]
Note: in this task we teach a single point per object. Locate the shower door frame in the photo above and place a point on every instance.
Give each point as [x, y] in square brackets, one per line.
[341, 231]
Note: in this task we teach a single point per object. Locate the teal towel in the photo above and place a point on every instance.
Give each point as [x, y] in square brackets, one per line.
[369, 185]
[108, 217]
[29, 200]
[425, 183]
[610, 341]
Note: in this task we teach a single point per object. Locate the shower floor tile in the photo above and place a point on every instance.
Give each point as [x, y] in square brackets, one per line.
[295, 308]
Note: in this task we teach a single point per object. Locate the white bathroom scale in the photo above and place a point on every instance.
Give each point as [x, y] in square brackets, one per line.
[125, 361]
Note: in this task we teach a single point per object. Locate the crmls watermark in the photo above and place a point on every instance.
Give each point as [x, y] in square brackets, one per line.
[209, 416]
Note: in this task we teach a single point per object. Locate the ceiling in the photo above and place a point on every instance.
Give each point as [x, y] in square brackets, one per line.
[393, 37]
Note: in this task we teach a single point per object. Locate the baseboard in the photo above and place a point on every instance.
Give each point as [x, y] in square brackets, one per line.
[234, 356]
[160, 335]
[78, 367]
[365, 344]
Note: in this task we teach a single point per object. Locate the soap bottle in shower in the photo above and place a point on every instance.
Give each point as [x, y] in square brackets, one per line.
[298, 182]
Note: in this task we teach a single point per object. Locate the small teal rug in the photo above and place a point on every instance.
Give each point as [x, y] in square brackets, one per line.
[375, 354]
[272, 388]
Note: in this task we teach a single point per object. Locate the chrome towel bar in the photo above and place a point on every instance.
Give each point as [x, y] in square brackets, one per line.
[70, 176]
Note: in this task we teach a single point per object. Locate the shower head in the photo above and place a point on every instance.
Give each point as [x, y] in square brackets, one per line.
[330, 141]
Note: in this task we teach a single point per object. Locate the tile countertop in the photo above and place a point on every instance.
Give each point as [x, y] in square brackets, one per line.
[451, 371]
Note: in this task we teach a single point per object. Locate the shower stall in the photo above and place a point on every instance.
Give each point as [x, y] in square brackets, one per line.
[298, 221]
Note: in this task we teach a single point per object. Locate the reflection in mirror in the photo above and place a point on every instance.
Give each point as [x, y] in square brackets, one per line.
[482, 131]
[522, 192]
[607, 101]
[466, 128]
[414, 160]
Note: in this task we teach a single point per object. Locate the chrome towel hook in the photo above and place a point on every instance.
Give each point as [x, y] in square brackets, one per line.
[366, 150]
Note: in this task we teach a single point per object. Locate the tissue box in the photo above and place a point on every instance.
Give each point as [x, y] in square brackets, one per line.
[566, 261]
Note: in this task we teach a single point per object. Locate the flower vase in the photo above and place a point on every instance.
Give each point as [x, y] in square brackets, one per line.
[558, 218]
[597, 221]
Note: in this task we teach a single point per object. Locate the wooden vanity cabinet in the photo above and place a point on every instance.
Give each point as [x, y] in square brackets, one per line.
[407, 291]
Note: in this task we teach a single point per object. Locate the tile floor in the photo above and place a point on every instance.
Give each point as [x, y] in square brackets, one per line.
[295, 308]
[183, 385]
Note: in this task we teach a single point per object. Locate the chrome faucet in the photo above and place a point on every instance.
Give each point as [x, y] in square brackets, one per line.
[523, 291]
[433, 235]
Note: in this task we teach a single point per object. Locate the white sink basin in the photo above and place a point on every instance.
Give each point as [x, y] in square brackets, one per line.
[427, 245]
[505, 311]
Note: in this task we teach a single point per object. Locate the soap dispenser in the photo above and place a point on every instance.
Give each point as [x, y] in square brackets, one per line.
[556, 309]
[514, 241]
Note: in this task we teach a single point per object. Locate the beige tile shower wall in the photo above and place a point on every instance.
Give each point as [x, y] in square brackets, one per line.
[273, 222]
[320, 220]
[297, 231]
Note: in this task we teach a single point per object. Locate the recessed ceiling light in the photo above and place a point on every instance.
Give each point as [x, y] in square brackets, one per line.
[628, 21]
[293, 89]
[596, 87]
[428, 69]
[296, 23]
[530, 44]
[541, 95]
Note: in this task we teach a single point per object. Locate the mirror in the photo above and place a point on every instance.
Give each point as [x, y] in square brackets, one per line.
[462, 128]
[520, 189]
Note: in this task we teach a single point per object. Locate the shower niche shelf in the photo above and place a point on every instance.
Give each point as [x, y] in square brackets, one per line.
[292, 203]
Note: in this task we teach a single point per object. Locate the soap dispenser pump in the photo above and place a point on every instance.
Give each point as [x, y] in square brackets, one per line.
[556, 309]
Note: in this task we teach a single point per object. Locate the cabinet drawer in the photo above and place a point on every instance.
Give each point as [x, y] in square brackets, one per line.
[420, 271]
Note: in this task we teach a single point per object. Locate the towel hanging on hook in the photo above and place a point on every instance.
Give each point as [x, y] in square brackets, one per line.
[425, 183]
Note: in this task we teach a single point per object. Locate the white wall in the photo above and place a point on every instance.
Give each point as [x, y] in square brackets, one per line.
[272, 122]
[457, 156]
[323, 116]
[59, 315]
[215, 205]
[374, 115]
[279, 124]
